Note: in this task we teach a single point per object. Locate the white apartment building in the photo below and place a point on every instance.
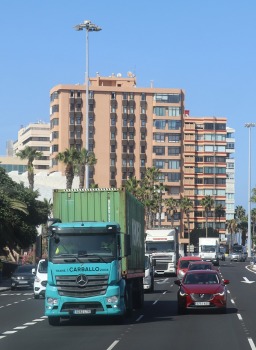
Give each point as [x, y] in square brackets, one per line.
[37, 136]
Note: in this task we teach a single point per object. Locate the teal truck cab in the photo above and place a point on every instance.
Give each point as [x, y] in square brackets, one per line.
[96, 267]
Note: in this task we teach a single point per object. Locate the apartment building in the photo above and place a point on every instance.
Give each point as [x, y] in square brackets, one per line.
[131, 129]
[37, 136]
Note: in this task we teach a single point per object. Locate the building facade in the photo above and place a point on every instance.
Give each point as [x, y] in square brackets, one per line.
[36, 136]
[131, 129]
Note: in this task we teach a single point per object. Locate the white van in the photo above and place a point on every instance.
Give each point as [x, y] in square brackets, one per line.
[148, 280]
[40, 278]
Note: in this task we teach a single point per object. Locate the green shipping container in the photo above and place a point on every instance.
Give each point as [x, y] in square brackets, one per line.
[107, 205]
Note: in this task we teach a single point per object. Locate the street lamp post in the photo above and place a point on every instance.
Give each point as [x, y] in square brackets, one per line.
[249, 126]
[89, 27]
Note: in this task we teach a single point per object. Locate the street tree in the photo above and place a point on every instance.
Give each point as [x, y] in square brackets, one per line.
[85, 158]
[70, 158]
[207, 203]
[30, 154]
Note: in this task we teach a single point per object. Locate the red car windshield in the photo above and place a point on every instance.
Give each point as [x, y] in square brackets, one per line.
[202, 278]
[184, 263]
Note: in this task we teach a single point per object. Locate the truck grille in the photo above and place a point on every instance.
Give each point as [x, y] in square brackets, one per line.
[69, 286]
[161, 266]
[69, 307]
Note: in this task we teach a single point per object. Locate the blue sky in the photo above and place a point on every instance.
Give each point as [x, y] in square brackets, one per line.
[206, 47]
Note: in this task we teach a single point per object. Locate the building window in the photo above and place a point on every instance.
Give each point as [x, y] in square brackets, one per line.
[142, 162]
[174, 111]
[143, 136]
[113, 109]
[124, 149]
[131, 149]
[125, 123]
[159, 150]
[113, 95]
[159, 164]
[125, 110]
[112, 136]
[159, 137]
[113, 148]
[125, 96]
[143, 123]
[143, 96]
[174, 164]
[142, 149]
[91, 94]
[54, 96]
[113, 121]
[173, 177]
[159, 111]
[173, 151]
[55, 135]
[143, 110]
[174, 124]
[112, 175]
[167, 98]
[131, 135]
[159, 124]
[55, 148]
[124, 135]
[174, 138]
[124, 162]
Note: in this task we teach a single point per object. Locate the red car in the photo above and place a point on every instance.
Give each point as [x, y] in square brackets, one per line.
[202, 289]
[182, 265]
[201, 265]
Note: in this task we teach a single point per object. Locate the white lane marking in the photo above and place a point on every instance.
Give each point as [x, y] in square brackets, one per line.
[21, 327]
[155, 302]
[165, 292]
[38, 320]
[9, 332]
[251, 343]
[113, 345]
[2, 336]
[138, 319]
[29, 323]
[161, 281]
[232, 301]
[239, 317]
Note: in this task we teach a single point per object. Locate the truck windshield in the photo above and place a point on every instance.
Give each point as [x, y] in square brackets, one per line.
[167, 246]
[102, 246]
[237, 249]
[208, 248]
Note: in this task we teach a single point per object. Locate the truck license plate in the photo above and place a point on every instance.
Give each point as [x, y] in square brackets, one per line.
[82, 312]
[202, 303]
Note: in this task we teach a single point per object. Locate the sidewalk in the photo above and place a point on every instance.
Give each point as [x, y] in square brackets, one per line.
[5, 284]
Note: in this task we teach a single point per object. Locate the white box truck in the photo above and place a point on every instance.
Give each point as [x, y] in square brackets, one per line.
[163, 246]
[209, 249]
[149, 280]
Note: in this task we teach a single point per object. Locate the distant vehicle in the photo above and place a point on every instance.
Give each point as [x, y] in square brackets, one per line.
[201, 265]
[183, 263]
[238, 253]
[208, 249]
[23, 277]
[163, 246]
[221, 256]
[148, 280]
[202, 289]
[40, 278]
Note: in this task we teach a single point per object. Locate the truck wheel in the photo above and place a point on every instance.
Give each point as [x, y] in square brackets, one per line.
[152, 287]
[54, 321]
[128, 301]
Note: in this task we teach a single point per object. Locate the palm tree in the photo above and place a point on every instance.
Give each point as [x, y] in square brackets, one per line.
[30, 154]
[70, 158]
[207, 203]
[231, 228]
[219, 212]
[132, 185]
[172, 206]
[85, 158]
[253, 217]
[186, 204]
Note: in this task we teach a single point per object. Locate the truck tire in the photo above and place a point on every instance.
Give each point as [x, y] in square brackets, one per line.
[54, 321]
[128, 300]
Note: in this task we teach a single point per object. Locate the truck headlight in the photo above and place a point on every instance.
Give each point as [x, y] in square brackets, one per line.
[52, 301]
[112, 300]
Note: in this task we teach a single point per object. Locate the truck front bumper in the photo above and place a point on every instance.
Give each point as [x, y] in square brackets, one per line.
[63, 306]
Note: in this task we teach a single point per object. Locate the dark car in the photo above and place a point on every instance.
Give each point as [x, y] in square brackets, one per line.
[202, 289]
[23, 277]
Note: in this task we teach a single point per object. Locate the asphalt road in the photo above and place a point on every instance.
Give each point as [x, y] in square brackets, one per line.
[157, 326]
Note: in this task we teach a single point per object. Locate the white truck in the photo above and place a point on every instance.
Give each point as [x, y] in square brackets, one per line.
[209, 249]
[163, 246]
[149, 280]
